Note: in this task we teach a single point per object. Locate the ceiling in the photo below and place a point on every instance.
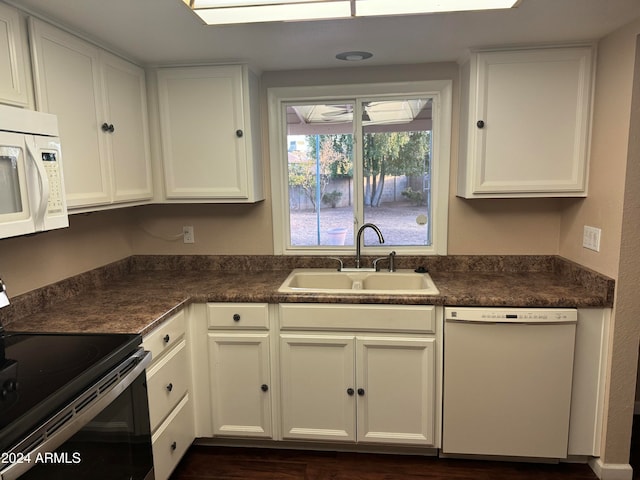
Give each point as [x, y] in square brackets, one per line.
[162, 32]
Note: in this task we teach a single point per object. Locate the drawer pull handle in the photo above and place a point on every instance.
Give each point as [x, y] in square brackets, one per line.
[361, 392]
[350, 391]
[170, 387]
[264, 387]
[236, 317]
[174, 445]
[166, 338]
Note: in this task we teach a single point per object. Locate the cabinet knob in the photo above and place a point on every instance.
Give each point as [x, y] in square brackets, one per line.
[350, 391]
[166, 338]
[170, 387]
[236, 317]
[264, 387]
[361, 391]
[239, 133]
[174, 445]
[108, 127]
[480, 123]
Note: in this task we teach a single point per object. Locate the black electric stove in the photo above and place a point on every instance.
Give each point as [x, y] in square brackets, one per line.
[40, 373]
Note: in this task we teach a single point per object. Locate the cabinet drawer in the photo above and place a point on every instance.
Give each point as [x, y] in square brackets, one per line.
[253, 316]
[167, 382]
[172, 439]
[383, 318]
[165, 336]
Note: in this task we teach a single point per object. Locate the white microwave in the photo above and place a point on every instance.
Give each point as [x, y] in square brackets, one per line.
[32, 196]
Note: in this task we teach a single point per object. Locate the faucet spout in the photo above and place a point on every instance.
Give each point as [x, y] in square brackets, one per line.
[359, 238]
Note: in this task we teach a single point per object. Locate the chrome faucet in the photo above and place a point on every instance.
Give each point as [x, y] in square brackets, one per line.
[358, 239]
[4, 299]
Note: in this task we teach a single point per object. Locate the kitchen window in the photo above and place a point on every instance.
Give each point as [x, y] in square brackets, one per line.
[342, 156]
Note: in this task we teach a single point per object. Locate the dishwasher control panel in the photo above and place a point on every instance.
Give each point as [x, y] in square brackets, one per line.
[511, 315]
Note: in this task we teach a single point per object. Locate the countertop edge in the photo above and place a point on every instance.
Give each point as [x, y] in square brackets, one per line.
[162, 293]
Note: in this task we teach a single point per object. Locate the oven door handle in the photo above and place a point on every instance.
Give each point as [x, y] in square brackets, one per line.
[69, 420]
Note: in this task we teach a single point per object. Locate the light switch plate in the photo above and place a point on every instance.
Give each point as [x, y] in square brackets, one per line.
[591, 238]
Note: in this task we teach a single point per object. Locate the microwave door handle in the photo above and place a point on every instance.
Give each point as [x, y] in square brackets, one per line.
[43, 181]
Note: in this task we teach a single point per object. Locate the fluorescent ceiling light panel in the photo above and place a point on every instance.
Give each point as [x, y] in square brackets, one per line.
[217, 12]
[365, 8]
[243, 3]
[247, 11]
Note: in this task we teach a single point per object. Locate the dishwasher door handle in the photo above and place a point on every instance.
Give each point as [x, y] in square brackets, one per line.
[507, 322]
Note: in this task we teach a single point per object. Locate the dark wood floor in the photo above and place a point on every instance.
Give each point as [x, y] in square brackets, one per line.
[220, 463]
[634, 459]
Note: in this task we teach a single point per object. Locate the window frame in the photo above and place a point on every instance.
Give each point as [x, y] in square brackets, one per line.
[277, 100]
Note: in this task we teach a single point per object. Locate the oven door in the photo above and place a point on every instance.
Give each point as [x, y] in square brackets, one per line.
[103, 434]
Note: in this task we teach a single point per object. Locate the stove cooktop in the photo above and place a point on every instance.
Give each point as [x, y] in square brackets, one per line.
[40, 373]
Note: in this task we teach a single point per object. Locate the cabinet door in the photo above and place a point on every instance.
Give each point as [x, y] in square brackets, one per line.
[529, 122]
[13, 88]
[318, 389]
[67, 83]
[128, 144]
[240, 384]
[396, 390]
[202, 125]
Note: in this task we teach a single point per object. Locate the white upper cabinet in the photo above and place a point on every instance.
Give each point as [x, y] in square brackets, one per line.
[525, 123]
[13, 88]
[210, 134]
[67, 83]
[126, 122]
[100, 101]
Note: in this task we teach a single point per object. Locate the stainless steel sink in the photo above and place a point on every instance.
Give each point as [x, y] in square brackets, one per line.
[400, 282]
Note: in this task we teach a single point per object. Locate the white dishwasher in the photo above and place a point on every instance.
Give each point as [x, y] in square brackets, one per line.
[507, 381]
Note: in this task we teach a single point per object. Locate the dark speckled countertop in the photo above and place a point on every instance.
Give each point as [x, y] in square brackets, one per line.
[136, 294]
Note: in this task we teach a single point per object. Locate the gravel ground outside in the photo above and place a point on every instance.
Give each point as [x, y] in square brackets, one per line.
[397, 221]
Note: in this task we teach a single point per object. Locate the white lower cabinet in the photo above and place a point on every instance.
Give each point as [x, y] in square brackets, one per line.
[396, 390]
[172, 439]
[325, 373]
[240, 370]
[240, 383]
[168, 386]
[167, 383]
[590, 367]
[318, 387]
[363, 387]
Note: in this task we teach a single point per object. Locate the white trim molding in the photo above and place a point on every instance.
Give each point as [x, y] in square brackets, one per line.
[611, 471]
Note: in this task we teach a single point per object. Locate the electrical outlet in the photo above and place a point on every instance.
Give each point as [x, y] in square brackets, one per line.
[591, 238]
[187, 234]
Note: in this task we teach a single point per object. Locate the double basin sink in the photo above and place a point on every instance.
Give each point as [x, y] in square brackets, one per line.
[318, 280]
